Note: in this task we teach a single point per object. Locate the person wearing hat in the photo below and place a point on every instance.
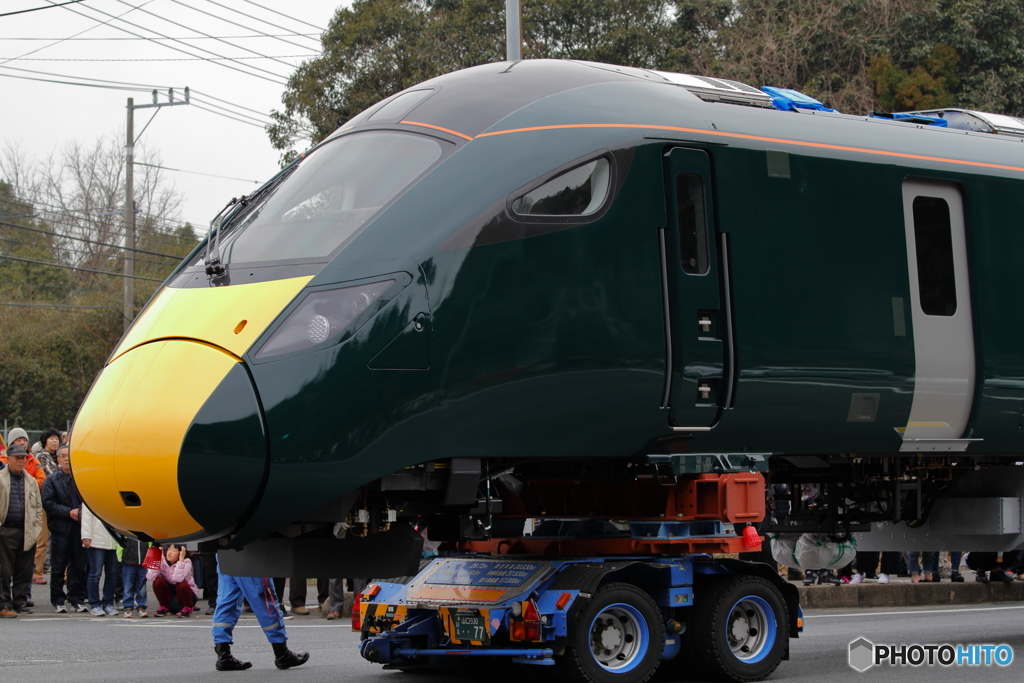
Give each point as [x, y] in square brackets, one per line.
[21, 521]
[19, 437]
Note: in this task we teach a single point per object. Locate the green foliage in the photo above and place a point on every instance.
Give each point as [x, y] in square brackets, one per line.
[49, 359]
[928, 85]
[820, 47]
[988, 36]
[855, 55]
[59, 323]
[376, 48]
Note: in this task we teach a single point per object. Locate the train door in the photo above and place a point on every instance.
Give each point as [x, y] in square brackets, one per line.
[940, 315]
[698, 325]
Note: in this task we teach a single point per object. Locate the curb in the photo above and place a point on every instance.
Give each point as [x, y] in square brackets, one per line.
[904, 594]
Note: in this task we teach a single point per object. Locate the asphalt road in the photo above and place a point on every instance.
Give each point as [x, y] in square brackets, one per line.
[41, 648]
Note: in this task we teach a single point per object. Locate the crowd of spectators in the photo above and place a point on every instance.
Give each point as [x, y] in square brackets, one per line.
[920, 567]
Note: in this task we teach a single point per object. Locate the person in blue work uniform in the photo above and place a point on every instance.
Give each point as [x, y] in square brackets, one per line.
[259, 593]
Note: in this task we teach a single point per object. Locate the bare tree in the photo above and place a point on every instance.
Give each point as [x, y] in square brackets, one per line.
[78, 191]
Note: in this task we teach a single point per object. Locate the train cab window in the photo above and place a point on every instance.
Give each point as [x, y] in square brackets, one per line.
[934, 243]
[330, 196]
[579, 192]
[693, 230]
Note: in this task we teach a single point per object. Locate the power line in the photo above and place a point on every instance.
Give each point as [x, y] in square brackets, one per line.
[84, 270]
[89, 241]
[156, 40]
[212, 111]
[254, 111]
[36, 9]
[106, 210]
[322, 30]
[142, 87]
[11, 303]
[153, 59]
[86, 85]
[211, 175]
[114, 233]
[85, 252]
[104, 23]
[239, 47]
[147, 86]
[177, 49]
[74, 287]
[143, 28]
[268, 120]
[235, 23]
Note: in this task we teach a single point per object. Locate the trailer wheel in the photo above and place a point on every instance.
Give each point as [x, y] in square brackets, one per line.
[739, 628]
[617, 637]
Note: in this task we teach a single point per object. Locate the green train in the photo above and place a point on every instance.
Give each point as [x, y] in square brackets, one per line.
[535, 272]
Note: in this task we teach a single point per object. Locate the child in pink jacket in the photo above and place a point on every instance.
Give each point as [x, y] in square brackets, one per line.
[174, 580]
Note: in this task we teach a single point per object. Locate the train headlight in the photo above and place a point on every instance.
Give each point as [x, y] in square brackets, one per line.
[321, 316]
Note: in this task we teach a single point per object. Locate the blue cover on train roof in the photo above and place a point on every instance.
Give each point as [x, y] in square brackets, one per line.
[912, 118]
[791, 100]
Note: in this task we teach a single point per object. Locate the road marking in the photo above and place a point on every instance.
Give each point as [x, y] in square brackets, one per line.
[915, 611]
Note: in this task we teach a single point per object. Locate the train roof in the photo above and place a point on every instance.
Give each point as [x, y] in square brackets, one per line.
[472, 102]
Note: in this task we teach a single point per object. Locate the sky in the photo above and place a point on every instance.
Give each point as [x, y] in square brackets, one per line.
[118, 42]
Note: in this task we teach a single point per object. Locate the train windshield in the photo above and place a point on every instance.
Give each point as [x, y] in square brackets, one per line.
[328, 197]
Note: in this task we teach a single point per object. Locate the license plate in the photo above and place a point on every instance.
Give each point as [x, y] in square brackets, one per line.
[471, 626]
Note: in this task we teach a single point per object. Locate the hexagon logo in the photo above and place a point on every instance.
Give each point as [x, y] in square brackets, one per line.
[862, 654]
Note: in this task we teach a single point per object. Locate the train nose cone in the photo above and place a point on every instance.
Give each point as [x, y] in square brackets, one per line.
[169, 441]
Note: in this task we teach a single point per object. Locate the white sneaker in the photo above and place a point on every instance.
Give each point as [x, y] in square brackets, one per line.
[97, 612]
[60, 609]
[856, 578]
[883, 578]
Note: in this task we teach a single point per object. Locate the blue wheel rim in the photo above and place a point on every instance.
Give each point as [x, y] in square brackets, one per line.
[619, 638]
[750, 629]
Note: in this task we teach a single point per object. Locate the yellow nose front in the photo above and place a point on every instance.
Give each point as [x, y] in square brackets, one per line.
[129, 432]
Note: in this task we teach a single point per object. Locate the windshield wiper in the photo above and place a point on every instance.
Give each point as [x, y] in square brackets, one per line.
[213, 264]
[212, 261]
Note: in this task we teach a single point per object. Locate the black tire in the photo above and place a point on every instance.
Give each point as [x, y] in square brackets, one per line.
[740, 628]
[617, 637]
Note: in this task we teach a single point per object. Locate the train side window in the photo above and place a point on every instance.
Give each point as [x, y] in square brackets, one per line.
[693, 231]
[579, 192]
[934, 243]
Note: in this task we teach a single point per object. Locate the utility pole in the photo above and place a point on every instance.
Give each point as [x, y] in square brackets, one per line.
[129, 218]
[513, 30]
[129, 199]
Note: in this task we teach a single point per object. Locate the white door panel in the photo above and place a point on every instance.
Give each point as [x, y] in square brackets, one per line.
[940, 312]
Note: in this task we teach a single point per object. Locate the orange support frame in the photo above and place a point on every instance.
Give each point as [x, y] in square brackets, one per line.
[730, 498]
[569, 547]
[735, 497]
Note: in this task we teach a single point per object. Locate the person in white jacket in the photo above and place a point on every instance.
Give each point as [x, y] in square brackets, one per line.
[101, 548]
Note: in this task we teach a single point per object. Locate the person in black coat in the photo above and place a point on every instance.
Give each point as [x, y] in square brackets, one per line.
[63, 507]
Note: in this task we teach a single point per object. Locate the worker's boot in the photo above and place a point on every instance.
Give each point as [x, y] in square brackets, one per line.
[225, 660]
[285, 658]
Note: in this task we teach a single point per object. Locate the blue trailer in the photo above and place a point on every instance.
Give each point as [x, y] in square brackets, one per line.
[601, 618]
